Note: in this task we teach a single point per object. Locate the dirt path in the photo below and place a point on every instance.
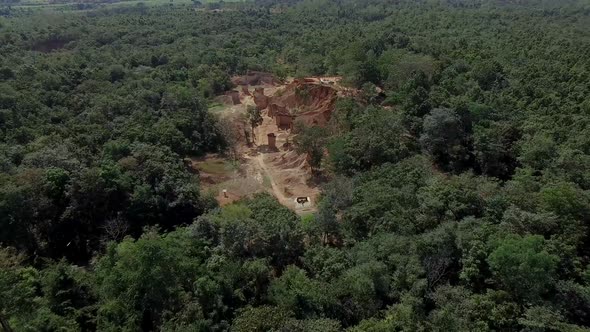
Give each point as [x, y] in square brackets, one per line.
[280, 171]
[277, 192]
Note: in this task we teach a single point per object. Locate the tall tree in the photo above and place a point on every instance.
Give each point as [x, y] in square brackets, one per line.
[312, 142]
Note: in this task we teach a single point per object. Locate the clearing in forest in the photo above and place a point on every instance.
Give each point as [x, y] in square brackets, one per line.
[264, 159]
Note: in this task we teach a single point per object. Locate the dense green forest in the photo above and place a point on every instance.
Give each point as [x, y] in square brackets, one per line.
[457, 199]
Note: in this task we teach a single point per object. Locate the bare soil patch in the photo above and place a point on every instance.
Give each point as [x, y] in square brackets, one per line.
[259, 166]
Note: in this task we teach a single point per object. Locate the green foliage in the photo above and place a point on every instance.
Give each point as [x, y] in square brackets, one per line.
[312, 325]
[459, 310]
[359, 65]
[254, 117]
[265, 318]
[489, 74]
[456, 160]
[295, 292]
[69, 292]
[17, 290]
[442, 138]
[362, 289]
[143, 283]
[375, 137]
[494, 149]
[565, 199]
[311, 141]
[538, 151]
[325, 263]
[56, 298]
[254, 229]
[398, 65]
[523, 267]
[543, 318]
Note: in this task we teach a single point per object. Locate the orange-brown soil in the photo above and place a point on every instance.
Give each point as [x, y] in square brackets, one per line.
[280, 170]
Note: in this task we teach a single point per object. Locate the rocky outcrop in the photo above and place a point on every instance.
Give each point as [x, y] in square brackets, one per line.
[235, 97]
[310, 103]
[245, 90]
[260, 99]
[229, 98]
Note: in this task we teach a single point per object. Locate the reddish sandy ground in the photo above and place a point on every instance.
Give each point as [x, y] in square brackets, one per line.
[281, 172]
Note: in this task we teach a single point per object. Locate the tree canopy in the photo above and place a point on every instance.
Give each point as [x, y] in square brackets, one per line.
[456, 159]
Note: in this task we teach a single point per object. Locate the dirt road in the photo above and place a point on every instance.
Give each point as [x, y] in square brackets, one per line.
[276, 190]
[280, 171]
